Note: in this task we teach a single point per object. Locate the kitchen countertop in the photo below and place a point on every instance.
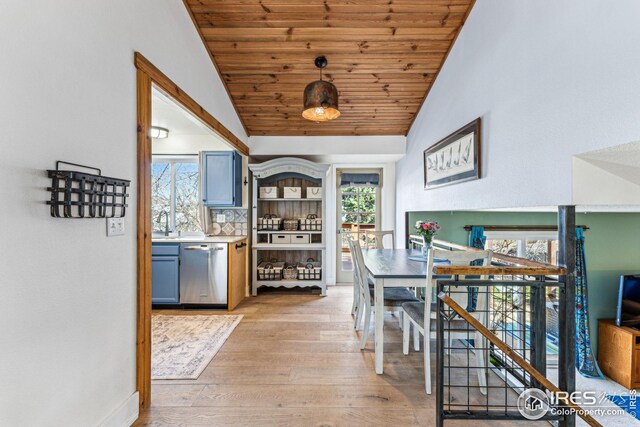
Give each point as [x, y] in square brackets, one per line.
[196, 239]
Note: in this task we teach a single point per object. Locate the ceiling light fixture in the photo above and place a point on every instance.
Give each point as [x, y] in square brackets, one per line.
[157, 132]
[320, 98]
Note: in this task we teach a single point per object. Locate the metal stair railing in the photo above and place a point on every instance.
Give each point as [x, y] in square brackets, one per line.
[458, 398]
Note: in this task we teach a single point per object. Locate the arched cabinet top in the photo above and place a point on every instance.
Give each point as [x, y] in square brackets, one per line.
[288, 165]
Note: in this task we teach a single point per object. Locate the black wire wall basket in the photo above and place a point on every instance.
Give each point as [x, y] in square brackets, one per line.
[76, 194]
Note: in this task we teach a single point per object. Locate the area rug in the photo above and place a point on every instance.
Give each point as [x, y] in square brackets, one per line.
[182, 346]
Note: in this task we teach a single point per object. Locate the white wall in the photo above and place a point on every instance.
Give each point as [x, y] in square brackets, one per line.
[594, 185]
[549, 79]
[69, 292]
[188, 144]
[332, 149]
[608, 176]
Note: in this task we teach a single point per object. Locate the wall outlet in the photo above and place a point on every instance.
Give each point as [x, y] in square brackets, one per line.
[221, 218]
[115, 226]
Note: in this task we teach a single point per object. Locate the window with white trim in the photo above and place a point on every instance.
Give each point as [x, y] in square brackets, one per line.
[175, 190]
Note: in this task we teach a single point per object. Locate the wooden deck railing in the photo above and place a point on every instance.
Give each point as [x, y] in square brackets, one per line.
[515, 266]
[496, 270]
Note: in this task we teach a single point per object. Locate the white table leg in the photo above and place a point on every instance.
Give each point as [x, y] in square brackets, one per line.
[379, 323]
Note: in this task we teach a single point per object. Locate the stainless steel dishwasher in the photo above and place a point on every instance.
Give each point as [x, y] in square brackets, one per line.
[203, 273]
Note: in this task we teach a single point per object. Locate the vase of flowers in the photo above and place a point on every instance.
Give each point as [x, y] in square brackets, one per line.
[427, 230]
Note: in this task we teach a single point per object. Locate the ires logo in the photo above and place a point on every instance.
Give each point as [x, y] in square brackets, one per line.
[534, 403]
[579, 398]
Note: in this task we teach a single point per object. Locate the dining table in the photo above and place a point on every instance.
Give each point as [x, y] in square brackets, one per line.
[389, 268]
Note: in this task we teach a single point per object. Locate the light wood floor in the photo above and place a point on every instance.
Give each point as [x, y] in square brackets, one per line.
[295, 360]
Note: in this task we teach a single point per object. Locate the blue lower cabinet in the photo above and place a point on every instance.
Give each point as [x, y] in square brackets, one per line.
[165, 279]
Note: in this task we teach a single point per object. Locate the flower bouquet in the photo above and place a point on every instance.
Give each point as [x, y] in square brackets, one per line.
[427, 229]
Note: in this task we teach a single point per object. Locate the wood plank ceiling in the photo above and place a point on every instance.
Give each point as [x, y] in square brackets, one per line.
[383, 57]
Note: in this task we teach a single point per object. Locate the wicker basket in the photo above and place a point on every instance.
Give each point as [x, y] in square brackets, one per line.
[270, 270]
[269, 222]
[290, 273]
[311, 270]
[311, 223]
[290, 224]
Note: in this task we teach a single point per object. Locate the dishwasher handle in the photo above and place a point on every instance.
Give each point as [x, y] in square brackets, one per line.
[204, 248]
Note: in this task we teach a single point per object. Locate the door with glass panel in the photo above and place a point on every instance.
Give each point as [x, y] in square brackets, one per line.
[358, 212]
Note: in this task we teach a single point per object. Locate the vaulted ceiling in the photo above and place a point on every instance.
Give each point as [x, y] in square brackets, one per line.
[383, 57]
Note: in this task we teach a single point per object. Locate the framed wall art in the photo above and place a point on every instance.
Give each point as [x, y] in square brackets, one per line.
[454, 159]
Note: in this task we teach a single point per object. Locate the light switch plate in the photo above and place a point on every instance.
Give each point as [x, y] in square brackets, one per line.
[115, 226]
[221, 218]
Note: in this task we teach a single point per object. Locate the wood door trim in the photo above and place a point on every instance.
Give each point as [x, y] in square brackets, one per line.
[173, 90]
[146, 75]
[143, 318]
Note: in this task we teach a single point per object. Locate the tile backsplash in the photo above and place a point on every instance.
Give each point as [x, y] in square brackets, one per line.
[234, 224]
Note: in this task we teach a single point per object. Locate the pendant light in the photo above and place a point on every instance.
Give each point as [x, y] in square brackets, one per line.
[320, 98]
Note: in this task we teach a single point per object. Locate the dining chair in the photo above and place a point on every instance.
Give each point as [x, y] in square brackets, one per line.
[378, 237]
[356, 293]
[421, 315]
[393, 297]
[356, 307]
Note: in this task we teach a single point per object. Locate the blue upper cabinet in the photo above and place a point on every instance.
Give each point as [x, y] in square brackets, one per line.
[222, 172]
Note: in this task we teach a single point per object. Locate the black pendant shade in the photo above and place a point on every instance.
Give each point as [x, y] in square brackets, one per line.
[320, 98]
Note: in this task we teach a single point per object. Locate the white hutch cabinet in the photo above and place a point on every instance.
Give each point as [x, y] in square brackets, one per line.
[293, 196]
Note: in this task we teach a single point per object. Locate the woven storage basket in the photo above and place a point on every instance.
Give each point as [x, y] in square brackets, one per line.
[311, 223]
[311, 270]
[269, 222]
[270, 270]
[289, 273]
[290, 224]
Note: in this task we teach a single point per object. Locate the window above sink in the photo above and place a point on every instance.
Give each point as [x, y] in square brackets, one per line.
[175, 191]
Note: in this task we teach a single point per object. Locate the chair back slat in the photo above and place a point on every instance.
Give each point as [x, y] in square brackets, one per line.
[457, 258]
[379, 236]
[360, 271]
[373, 239]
